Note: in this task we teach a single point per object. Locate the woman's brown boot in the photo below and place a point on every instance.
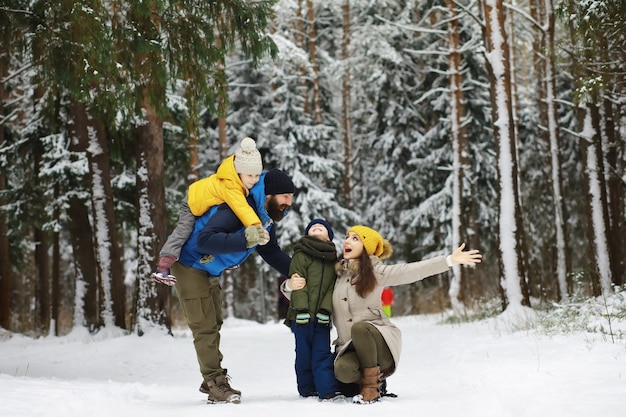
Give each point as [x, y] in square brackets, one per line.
[370, 386]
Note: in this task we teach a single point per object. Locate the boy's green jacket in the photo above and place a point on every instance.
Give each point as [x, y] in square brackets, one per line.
[314, 260]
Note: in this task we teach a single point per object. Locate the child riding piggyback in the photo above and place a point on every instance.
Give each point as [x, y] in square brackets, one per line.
[231, 184]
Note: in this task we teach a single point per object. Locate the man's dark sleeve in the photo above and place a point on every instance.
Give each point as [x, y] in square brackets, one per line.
[223, 233]
[274, 255]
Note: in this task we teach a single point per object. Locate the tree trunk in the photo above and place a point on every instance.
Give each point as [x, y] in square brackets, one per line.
[300, 42]
[108, 251]
[152, 300]
[82, 235]
[5, 259]
[345, 106]
[228, 300]
[544, 67]
[5, 263]
[596, 200]
[153, 303]
[510, 42]
[42, 264]
[86, 311]
[192, 131]
[615, 197]
[111, 293]
[513, 277]
[553, 134]
[55, 293]
[312, 41]
[460, 164]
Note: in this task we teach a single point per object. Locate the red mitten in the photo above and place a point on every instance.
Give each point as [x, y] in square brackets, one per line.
[165, 263]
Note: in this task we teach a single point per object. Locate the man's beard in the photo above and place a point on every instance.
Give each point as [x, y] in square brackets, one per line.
[275, 210]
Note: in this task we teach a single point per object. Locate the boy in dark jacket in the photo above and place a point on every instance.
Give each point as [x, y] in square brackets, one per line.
[309, 311]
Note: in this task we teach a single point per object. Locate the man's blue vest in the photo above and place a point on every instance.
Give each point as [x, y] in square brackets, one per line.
[214, 265]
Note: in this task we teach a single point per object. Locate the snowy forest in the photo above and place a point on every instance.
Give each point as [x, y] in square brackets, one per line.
[498, 124]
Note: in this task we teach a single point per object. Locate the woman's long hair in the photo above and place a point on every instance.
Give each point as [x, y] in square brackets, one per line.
[366, 281]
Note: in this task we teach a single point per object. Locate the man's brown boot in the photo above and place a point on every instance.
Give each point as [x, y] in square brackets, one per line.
[219, 395]
[224, 382]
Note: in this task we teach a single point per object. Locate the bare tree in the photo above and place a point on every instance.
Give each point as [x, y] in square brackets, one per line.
[89, 133]
[84, 237]
[513, 276]
[5, 264]
[299, 38]
[460, 145]
[5, 259]
[42, 260]
[597, 50]
[312, 44]
[153, 301]
[555, 155]
[345, 105]
[591, 143]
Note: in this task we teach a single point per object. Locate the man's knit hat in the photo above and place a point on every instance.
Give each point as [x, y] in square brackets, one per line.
[373, 242]
[324, 223]
[277, 182]
[248, 158]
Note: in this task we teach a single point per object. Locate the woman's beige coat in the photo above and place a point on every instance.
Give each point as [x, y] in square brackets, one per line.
[350, 308]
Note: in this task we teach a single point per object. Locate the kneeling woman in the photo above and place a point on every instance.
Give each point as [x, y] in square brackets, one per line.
[368, 343]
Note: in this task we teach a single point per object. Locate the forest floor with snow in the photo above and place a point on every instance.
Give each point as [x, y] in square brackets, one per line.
[558, 367]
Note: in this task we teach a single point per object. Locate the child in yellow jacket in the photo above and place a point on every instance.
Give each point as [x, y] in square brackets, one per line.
[231, 184]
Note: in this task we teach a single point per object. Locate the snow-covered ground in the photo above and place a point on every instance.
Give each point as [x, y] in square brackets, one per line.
[477, 369]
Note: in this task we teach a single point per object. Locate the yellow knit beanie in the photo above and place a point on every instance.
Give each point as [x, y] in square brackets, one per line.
[373, 242]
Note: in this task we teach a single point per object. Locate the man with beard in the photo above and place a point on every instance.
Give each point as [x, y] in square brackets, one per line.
[219, 242]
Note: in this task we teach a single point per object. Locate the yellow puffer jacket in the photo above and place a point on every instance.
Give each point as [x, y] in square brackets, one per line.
[224, 186]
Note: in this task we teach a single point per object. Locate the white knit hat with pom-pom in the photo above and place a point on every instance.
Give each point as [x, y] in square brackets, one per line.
[248, 158]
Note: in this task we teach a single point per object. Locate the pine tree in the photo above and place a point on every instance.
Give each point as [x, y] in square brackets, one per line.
[597, 34]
